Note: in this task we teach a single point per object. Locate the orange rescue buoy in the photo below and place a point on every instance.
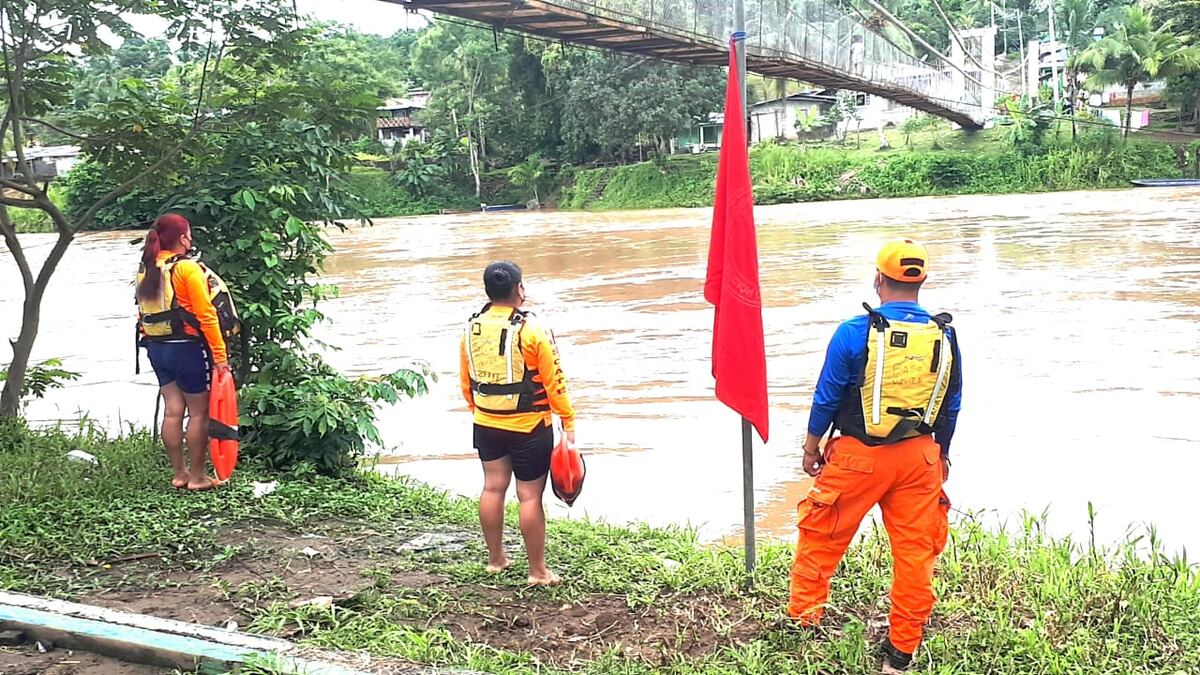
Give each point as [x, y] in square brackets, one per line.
[223, 424]
[567, 471]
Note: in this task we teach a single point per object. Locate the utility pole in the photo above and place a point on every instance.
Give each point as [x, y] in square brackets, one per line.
[1053, 55]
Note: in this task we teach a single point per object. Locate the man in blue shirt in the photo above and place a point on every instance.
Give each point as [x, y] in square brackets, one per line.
[892, 386]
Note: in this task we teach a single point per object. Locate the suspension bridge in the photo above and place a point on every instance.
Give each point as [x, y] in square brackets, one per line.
[809, 40]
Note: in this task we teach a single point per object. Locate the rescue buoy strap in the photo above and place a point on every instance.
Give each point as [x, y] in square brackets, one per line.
[220, 431]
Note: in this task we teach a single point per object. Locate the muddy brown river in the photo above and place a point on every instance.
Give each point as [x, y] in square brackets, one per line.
[1078, 314]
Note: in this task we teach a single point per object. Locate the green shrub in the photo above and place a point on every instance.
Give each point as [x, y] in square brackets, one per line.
[88, 181]
[948, 171]
[381, 198]
[42, 377]
[784, 174]
[318, 416]
[36, 220]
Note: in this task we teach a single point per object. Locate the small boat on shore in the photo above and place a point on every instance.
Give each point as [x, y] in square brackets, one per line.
[1166, 182]
[501, 207]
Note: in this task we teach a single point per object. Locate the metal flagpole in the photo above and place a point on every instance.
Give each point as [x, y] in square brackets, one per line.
[748, 500]
[739, 29]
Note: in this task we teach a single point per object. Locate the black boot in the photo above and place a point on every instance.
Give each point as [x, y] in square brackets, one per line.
[894, 658]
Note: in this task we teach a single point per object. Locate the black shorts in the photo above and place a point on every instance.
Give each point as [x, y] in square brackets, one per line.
[530, 452]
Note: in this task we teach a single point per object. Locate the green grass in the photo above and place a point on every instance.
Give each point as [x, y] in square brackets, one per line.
[1013, 601]
[935, 161]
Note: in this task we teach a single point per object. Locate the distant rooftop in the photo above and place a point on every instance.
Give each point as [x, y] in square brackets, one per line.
[47, 152]
[415, 100]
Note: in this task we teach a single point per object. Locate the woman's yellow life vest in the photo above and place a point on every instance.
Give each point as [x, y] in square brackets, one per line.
[904, 381]
[162, 318]
[501, 383]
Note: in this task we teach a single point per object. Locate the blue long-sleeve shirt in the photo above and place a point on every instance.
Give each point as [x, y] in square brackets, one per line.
[847, 355]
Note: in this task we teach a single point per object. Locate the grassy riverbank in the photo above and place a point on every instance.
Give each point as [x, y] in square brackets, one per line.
[403, 567]
[928, 163]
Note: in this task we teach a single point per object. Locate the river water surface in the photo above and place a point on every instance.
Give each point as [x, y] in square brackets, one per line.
[1078, 315]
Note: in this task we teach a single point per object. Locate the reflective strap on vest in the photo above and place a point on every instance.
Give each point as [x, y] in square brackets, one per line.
[941, 379]
[877, 389]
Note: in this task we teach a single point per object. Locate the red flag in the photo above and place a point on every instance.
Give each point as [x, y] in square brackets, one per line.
[739, 355]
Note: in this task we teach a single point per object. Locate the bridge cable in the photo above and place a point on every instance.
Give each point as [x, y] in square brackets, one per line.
[958, 39]
[608, 52]
[903, 50]
[919, 40]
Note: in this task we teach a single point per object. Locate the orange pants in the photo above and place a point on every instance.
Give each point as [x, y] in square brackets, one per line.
[905, 479]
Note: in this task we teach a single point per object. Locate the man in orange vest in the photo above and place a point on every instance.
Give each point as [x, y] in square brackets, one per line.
[892, 385]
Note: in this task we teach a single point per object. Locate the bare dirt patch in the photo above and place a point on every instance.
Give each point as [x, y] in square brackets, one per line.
[338, 561]
[27, 661]
[691, 625]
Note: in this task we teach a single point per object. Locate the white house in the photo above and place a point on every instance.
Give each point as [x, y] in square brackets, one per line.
[776, 118]
[49, 161]
[400, 119]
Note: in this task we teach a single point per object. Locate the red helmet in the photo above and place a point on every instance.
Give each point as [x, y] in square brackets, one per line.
[567, 471]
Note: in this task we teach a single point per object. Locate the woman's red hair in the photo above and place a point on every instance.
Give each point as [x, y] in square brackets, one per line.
[168, 229]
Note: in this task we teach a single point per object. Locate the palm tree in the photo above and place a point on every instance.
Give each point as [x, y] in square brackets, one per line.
[1135, 52]
[528, 174]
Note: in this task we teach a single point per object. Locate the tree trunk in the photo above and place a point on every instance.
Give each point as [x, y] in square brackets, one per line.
[482, 143]
[1073, 89]
[1128, 107]
[474, 152]
[31, 317]
[1196, 111]
[1024, 66]
[10, 399]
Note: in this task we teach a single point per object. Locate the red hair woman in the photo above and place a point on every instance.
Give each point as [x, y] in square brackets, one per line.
[179, 325]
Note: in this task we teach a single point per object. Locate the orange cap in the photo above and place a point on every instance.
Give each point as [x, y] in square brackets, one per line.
[902, 260]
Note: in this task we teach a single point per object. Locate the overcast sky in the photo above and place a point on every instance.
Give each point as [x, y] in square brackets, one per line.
[368, 16]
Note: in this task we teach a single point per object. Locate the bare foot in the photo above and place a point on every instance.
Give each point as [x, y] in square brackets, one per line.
[548, 578]
[179, 482]
[497, 568]
[203, 484]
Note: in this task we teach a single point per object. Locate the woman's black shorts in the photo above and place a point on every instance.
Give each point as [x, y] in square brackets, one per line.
[530, 452]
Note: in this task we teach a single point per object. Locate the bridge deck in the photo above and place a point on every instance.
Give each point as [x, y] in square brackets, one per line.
[606, 29]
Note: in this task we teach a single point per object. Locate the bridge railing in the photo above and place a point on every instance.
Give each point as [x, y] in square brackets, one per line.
[809, 30]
